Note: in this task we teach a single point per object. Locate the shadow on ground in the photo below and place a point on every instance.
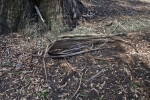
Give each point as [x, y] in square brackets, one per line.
[110, 8]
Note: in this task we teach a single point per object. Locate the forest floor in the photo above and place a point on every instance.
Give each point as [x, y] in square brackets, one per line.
[118, 70]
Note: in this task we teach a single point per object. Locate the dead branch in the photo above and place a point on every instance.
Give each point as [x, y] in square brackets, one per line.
[4, 69]
[96, 75]
[78, 87]
[71, 52]
[76, 53]
[44, 63]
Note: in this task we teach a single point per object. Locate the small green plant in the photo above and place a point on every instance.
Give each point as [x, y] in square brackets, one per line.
[83, 93]
[136, 83]
[101, 98]
[118, 79]
[9, 63]
[42, 94]
[68, 97]
[16, 73]
[27, 79]
[83, 76]
[121, 66]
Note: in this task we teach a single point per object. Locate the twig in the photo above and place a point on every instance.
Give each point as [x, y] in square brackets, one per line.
[44, 63]
[4, 69]
[87, 36]
[115, 29]
[96, 75]
[27, 85]
[132, 72]
[78, 87]
[69, 65]
[31, 57]
[104, 59]
[121, 25]
[73, 49]
[48, 39]
[76, 53]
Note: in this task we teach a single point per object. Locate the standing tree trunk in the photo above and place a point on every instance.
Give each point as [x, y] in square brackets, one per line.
[72, 11]
[26, 16]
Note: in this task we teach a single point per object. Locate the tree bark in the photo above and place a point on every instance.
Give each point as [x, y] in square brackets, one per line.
[22, 15]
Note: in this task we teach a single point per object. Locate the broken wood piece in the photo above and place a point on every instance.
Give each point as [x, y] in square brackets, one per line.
[74, 46]
[76, 53]
[70, 50]
[39, 13]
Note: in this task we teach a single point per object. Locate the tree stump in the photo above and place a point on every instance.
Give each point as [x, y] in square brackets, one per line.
[22, 15]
